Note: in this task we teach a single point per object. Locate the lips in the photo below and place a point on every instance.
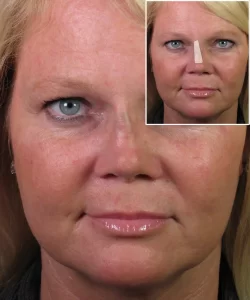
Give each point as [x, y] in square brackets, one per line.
[129, 215]
[199, 92]
[122, 224]
[199, 88]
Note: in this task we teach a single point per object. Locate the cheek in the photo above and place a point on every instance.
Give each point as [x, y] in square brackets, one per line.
[208, 188]
[232, 72]
[48, 177]
[167, 69]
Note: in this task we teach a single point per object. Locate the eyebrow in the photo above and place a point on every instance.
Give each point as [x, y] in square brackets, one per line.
[62, 82]
[217, 33]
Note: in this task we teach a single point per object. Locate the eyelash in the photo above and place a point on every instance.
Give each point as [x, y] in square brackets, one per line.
[77, 119]
[216, 41]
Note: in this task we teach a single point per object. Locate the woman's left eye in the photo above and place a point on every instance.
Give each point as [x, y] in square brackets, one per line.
[174, 45]
[224, 44]
[67, 109]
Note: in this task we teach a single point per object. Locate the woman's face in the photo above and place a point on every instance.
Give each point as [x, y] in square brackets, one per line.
[104, 160]
[203, 91]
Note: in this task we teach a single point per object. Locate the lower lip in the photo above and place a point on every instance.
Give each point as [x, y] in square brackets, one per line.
[199, 93]
[128, 228]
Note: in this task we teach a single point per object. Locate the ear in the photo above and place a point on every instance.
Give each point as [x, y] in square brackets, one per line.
[246, 152]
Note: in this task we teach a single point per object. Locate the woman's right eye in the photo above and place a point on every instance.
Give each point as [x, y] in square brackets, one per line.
[174, 45]
[67, 109]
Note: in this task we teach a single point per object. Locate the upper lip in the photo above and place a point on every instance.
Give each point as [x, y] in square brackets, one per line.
[199, 88]
[130, 215]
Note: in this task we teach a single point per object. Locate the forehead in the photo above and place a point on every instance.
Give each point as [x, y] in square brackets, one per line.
[84, 37]
[189, 15]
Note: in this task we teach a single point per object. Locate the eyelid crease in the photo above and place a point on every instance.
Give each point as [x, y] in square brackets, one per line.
[57, 99]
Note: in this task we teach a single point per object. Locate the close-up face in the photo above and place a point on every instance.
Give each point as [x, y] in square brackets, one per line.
[199, 62]
[83, 179]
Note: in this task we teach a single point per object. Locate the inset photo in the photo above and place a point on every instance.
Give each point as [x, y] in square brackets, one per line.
[197, 62]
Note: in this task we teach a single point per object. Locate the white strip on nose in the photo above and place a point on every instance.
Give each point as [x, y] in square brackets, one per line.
[197, 53]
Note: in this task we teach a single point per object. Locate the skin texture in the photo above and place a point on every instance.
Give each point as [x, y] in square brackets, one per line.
[175, 70]
[110, 161]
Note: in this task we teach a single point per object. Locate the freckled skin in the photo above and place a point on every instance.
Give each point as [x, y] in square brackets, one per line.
[223, 70]
[66, 169]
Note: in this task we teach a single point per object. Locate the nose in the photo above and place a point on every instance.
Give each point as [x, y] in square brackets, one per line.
[128, 153]
[205, 67]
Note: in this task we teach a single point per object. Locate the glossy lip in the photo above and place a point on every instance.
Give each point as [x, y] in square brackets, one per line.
[199, 92]
[128, 224]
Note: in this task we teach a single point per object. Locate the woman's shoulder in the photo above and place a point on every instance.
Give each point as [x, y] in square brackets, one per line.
[27, 288]
[9, 292]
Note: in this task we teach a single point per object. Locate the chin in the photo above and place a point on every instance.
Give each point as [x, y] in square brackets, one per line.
[133, 268]
[135, 276]
[198, 111]
[130, 266]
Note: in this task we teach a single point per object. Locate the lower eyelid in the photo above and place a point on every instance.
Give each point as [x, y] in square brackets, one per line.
[59, 119]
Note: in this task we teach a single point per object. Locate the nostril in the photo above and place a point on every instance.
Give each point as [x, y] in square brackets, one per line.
[109, 176]
[143, 176]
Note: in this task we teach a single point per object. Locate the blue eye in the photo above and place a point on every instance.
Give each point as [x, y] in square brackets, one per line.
[224, 44]
[174, 44]
[67, 109]
[70, 107]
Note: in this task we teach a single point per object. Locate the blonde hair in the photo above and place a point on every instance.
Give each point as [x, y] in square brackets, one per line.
[137, 7]
[235, 12]
[18, 245]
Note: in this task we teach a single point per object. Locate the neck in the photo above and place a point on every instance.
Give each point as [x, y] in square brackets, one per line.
[198, 283]
[228, 116]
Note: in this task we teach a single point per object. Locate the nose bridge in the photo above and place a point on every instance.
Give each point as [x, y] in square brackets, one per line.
[198, 59]
[125, 129]
[128, 120]
[126, 154]
[125, 142]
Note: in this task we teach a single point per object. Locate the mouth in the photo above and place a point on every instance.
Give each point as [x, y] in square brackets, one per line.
[129, 215]
[121, 224]
[199, 92]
